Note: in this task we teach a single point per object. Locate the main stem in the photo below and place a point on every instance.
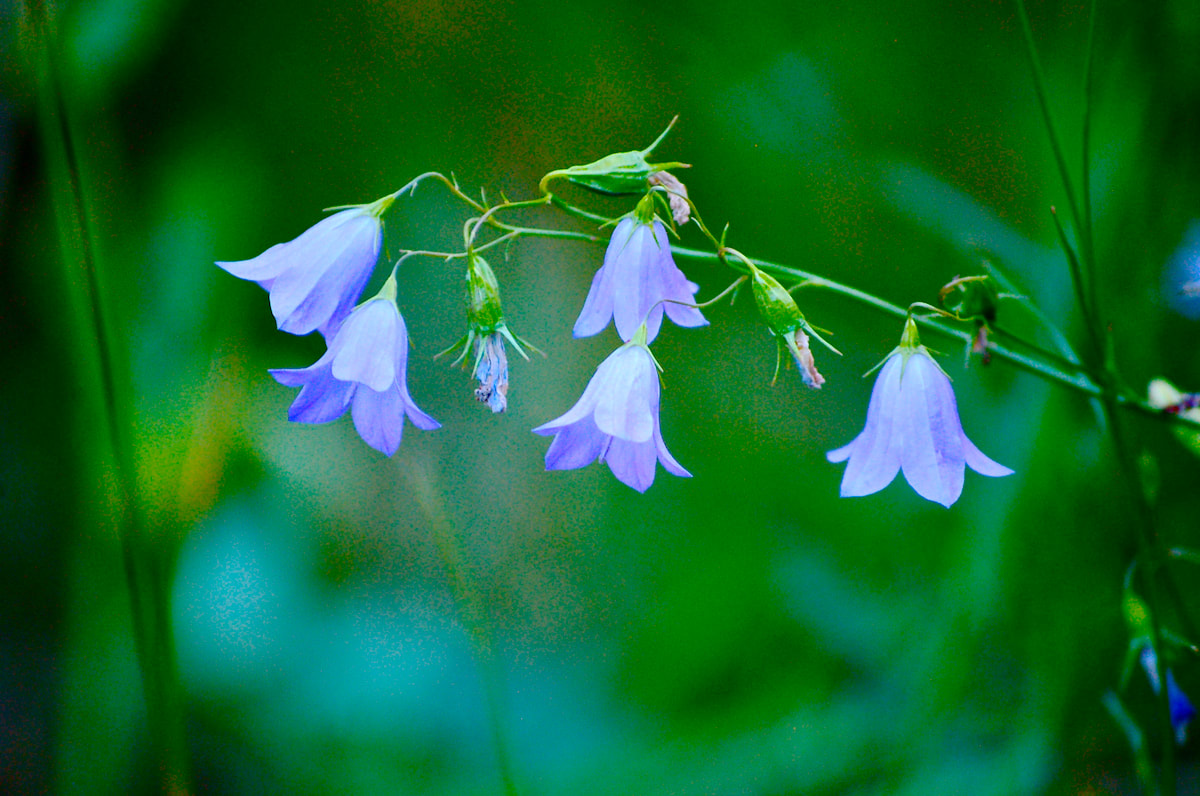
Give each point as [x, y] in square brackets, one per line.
[473, 615]
[1151, 556]
[147, 563]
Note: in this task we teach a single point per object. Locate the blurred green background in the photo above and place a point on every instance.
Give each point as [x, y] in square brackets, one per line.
[742, 632]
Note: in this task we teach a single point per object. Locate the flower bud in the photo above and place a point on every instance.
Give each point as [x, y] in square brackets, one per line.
[775, 303]
[618, 173]
[486, 335]
[484, 313]
[973, 297]
[783, 317]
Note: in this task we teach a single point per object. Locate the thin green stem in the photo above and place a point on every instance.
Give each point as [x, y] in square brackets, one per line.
[1065, 363]
[1060, 340]
[1083, 269]
[148, 564]
[474, 616]
[1152, 557]
[1079, 283]
[1088, 241]
[1039, 84]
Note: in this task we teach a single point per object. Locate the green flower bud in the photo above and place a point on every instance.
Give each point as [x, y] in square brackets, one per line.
[484, 314]
[775, 304]
[786, 322]
[618, 173]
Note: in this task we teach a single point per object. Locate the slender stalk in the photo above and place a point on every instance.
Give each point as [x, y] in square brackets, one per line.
[474, 616]
[147, 566]
[1085, 178]
[1084, 277]
[1152, 556]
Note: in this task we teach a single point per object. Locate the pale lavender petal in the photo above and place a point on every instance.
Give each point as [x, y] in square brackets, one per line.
[633, 463]
[927, 425]
[664, 455]
[875, 458]
[675, 286]
[625, 406]
[329, 273]
[296, 253]
[597, 308]
[306, 255]
[843, 453]
[322, 398]
[980, 463]
[261, 269]
[418, 417]
[586, 404]
[364, 348]
[636, 285]
[379, 418]
[575, 446]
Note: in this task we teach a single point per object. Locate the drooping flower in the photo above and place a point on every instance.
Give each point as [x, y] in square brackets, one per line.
[316, 279]
[363, 370]
[1182, 710]
[615, 421]
[638, 282]
[912, 425]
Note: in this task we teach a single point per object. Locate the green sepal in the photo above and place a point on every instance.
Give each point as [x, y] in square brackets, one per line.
[775, 304]
[484, 312]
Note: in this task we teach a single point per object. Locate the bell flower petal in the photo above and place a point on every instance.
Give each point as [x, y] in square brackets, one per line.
[315, 279]
[638, 282]
[615, 421]
[363, 370]
[912, 426]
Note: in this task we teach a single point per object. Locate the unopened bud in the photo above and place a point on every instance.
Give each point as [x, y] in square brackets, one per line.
[484, 313]
[786, 322]
[618, 173]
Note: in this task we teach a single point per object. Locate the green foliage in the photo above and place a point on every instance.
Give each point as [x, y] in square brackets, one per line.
[744, 631]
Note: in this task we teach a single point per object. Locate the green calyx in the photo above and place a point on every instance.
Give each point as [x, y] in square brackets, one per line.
[380, 206]
[484, 313]
[788, 325]
[775, 303]
[485, 316]
[910, 339]
[616, 174]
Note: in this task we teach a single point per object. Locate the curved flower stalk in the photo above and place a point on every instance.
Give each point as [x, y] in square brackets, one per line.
[638, 282]
[912, 425]
[315, 279]
[364, 371]
[615, 421]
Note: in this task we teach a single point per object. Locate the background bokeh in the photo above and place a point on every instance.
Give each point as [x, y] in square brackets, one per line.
[742, 632]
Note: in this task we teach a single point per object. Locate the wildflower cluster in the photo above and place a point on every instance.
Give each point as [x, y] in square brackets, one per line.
[316, 282]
